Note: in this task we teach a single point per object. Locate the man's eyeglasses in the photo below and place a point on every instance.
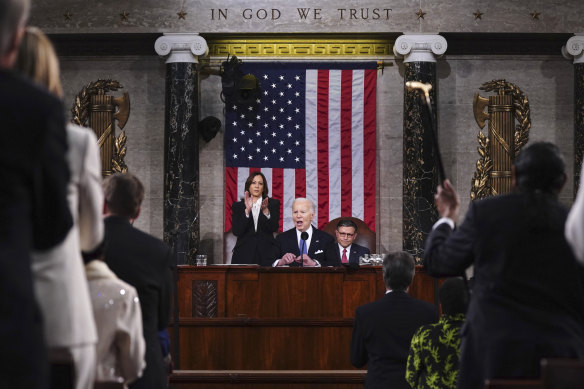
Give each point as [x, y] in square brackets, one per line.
[345, 234]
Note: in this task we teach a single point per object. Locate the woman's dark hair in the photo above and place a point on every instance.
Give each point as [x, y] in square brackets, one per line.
[250, 180]
[453, 296]
[540, 175]
[540, 167]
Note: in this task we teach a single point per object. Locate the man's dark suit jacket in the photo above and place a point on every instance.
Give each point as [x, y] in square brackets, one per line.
[527, 299]
[145, 263]
[382, 333]
[255, 246]
[288, 243]
[34, 214]
[333, 255]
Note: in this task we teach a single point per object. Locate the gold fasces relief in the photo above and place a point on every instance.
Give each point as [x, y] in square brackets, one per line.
[505, 139]
[98, 110]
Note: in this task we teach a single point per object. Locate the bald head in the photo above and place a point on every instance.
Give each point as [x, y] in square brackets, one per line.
[13, 16]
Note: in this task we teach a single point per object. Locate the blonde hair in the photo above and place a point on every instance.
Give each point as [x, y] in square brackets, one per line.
[38, 60]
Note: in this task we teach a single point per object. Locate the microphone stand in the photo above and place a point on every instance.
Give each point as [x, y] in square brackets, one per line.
[428, 119]
[302, 251]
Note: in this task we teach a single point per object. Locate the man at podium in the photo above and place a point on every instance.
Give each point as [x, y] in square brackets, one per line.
[303, 245]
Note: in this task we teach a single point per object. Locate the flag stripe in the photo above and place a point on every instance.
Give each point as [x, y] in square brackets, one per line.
[346, 185]
[369, 132]
[230, 193]
[358, 149]
[334, 146]
[322, 145]
[288, 197]
[278, 190]
[311, 175]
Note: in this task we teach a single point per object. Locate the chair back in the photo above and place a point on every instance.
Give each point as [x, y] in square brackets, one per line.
[365, 237]
[562, 373]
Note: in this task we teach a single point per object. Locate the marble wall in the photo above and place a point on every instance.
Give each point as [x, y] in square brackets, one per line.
[143, 79]
[546, 80]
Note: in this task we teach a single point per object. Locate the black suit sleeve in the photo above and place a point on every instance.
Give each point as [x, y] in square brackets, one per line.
[240, 223]
[449, 253]
[165, 297]
[358, 351]
[51, 216]
[331, 255]
[270, 225]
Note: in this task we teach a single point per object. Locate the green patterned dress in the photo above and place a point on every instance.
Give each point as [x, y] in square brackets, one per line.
[434, 351]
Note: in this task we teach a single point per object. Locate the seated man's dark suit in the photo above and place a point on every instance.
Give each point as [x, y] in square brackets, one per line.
[144, 262]
[333, 254]
[288, 243]
[382, 333]
[527, 299]
[255, 246]
[34, 214]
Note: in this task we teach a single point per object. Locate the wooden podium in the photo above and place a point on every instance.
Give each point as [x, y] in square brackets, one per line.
[250, 318]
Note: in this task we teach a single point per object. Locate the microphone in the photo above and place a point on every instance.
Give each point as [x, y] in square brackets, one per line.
[304, 237]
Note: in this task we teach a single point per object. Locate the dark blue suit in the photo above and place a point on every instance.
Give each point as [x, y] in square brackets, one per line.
[288, 243]
[333, 255]
[382, 333]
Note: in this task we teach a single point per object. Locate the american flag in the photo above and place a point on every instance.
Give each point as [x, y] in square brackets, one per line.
[312, 132]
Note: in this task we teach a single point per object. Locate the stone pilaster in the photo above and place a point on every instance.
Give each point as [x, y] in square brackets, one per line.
[420, 171]
[181, 142]
[574, 49]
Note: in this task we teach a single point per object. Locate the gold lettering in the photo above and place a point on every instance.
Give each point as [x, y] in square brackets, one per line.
[341, 10]
[247, 13]
[375, 13]
[317, 14]
[387, 11]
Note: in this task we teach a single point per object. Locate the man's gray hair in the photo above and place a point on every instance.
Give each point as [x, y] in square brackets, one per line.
[312, 208]
[13, 16]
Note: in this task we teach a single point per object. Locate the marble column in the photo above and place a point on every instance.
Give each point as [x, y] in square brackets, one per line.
[420, 171]
[181, 142]
[574, 49]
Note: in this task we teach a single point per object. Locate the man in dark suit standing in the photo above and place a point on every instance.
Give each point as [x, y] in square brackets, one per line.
[304, 237]
[383, 329]
[34, 213]
[344, 251]
[527, 299]
[143, 262]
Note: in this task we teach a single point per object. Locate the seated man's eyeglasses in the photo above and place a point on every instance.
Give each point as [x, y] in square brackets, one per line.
[346, 234]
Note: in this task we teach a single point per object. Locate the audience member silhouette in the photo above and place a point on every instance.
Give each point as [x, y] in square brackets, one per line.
[143, 262]
[60, 283]
[528, 290]
[383, 329]
[34, 213]
[434, 351]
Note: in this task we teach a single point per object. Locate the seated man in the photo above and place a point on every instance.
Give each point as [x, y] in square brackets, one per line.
[344, 251]
[433, 359]
[383, 329]
[302, 237]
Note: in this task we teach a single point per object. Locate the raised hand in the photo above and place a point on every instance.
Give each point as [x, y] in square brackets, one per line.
[447, 201]
[265, 209]
[248, 202]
